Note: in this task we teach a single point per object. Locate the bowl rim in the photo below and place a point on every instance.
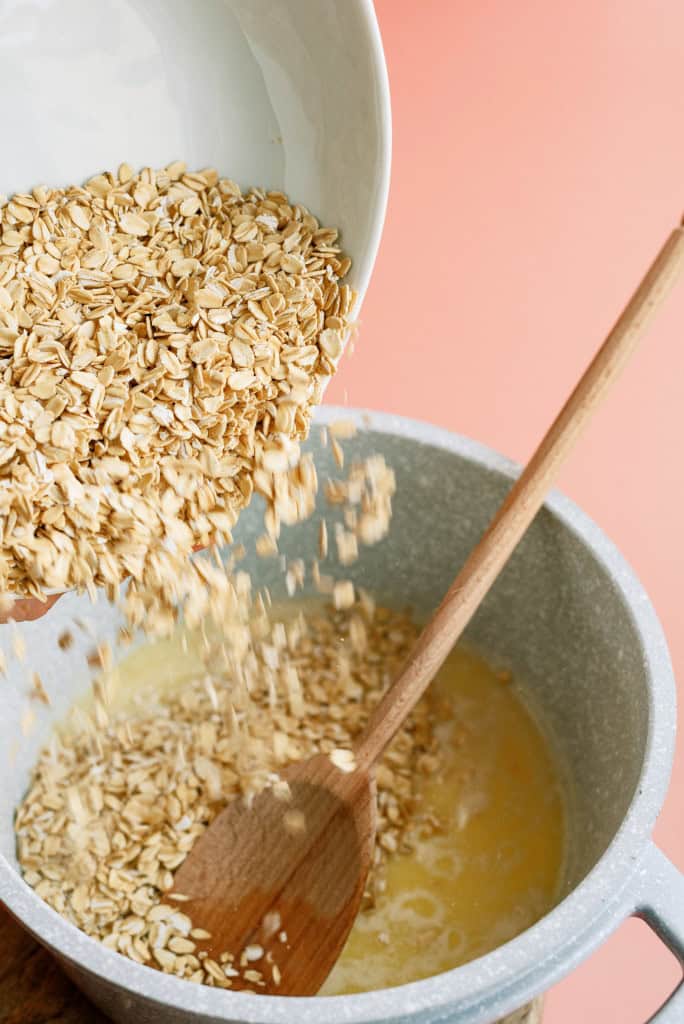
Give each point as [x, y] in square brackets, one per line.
[363, 266]
[507, 977]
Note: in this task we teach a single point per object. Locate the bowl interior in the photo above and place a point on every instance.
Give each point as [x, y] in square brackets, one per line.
[555, 617]
[286, 94]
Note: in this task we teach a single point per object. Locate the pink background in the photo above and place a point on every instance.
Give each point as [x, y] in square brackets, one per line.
[538, 165]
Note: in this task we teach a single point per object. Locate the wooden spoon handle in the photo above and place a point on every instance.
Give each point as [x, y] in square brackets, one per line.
[520, 506]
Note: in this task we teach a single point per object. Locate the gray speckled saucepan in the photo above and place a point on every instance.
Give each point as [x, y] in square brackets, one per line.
[575, 626]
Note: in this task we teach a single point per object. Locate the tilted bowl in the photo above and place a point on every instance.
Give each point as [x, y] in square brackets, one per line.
[289, 95]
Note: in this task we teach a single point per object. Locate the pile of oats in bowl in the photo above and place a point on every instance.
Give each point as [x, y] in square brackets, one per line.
[163, 341]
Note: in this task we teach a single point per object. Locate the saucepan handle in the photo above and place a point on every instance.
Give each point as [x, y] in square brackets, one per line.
[660, 904]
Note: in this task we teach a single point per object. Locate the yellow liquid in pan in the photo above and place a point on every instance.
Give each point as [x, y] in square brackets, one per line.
[497, 866]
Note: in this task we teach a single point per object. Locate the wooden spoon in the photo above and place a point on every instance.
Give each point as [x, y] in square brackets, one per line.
[286, 878]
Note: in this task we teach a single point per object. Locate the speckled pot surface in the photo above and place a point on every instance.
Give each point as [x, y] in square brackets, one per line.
[575, 626]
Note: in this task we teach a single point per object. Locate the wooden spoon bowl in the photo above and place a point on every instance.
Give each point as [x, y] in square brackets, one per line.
[299, 902]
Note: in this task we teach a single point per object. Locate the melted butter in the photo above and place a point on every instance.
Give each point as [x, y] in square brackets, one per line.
[496, 867]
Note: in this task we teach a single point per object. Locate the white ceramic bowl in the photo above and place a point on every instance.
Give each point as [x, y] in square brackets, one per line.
[288, 94]
[284, 94]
